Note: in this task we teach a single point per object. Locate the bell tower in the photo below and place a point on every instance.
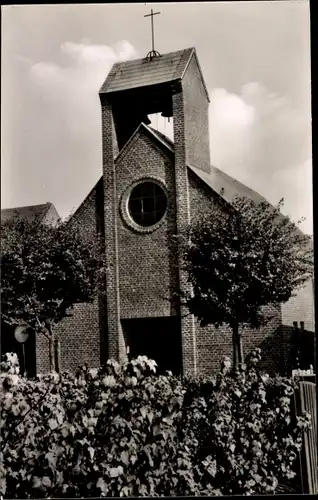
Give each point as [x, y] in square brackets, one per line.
[171, 84]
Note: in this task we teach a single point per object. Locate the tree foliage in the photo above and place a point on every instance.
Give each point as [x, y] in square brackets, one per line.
[241, 260]
[122, 430]
[45, 270]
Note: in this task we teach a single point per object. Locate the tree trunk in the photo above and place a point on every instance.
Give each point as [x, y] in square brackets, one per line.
[240, 348]
[237, 347]
[52, 349]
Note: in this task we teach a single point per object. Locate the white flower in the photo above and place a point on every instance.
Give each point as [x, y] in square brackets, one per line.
[109, 381]
[93, 372]
[14, 379]
[227, 363]
[265, 377]
[8, 400]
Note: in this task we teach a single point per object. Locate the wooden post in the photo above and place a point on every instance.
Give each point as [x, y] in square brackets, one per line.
[240, 348]
[235, 353]
[58, 355]
[237, 347]
[296, 345]
[52, 349]
[128, 352]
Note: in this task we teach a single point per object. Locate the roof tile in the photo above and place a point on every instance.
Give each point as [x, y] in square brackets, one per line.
[141, 72]
[30, 212]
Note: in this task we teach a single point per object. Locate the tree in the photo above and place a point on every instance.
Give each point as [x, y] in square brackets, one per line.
[45, 270]
[239, 261]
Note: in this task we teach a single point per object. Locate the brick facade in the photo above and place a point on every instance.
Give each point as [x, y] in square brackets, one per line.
[196, 119]
[148, 275]
[182, 145]
[146, 261]
[143, 269]
[42, 354]
[116, 342]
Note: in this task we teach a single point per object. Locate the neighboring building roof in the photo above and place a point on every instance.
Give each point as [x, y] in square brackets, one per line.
[30, 212]
[142, 72]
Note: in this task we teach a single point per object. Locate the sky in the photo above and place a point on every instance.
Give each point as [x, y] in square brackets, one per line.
[255, 58]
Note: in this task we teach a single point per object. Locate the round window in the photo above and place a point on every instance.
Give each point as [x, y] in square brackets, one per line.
[147, 204]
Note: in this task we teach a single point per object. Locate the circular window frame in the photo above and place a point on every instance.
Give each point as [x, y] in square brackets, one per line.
[124, 208]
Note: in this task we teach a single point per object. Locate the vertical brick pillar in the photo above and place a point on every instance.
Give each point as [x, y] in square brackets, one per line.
[189, 362]
[116, 341]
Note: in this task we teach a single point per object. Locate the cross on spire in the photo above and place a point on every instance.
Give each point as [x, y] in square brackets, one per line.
[153, 53]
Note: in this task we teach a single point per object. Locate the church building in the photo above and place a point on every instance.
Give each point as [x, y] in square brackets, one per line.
[151, 188]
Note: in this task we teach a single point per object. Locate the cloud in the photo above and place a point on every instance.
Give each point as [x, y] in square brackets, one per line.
[87, 67]
[70, 92]
[297, 184]
[231, 122]
[261, 139]
[66, 117]
[230, 109]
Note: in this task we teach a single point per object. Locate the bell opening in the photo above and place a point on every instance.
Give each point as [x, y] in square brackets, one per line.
[162, 124]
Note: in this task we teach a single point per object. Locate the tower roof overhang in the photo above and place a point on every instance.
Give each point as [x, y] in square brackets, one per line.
[138, 73]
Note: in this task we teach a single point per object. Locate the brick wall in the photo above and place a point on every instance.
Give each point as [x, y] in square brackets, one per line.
[42, 354]
[202, 198]
[141, 267]
[196, 118]
[116, 341]
[147, 261]
[80, 337]
[215, 343]
[189, 350]
[79, 340]
[212, 343]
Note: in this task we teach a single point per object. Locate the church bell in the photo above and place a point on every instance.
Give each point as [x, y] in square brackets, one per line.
[167, 111]
[146, 120]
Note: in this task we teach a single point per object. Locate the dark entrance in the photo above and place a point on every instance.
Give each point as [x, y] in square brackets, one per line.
[27, 360]
[156, 338]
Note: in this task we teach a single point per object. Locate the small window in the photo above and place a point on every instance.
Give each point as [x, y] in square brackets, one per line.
[147, 204]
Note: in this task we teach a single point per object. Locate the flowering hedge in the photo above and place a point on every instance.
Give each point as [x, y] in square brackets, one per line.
[122, 430]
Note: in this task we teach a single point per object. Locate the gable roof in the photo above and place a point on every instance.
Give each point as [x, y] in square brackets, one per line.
[226, 186]
[30, 211]
[143, 72]
[142, 127]
[220, 182]
[88, 199]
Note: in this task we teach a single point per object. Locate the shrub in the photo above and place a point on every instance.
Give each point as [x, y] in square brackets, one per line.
[248, 434]
[122, 430]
